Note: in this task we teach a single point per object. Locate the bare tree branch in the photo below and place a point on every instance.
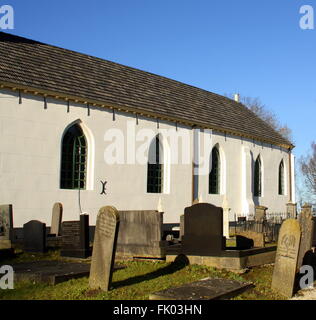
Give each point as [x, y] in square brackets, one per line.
[308, 168]
[256, 106]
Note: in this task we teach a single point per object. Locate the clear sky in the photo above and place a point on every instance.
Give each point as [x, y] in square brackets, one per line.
[253, 47]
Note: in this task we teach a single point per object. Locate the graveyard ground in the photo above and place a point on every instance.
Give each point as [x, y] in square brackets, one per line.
[136, 281]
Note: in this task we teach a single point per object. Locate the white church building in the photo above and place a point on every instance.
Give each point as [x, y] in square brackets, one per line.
[88, 132]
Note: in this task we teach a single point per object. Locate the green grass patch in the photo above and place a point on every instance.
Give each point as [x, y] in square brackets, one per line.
[135, 282]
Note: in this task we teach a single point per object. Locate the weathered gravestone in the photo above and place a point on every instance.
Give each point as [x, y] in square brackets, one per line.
[181, 227]
[140, 234]
[226, 210]
[291, 210]
[6, 226]
[285, 267]
[57, 215]
[34, 236]
[104, 246]
[203, 230]
[75, 238]
[260, 213]
[307, 230]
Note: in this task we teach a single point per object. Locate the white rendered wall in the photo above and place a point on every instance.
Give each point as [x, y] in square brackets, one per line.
[30, 154]
[237, 173]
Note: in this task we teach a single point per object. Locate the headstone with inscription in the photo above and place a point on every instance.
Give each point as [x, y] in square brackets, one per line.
[57, 215]
[104, 246]
[203, 230]
[285, 267]
[34, 236]
[75, 238]
[6, 226]
[140, 234]
[307, 230]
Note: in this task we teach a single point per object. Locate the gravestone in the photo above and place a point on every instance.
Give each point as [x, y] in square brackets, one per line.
[203, 230]
[314, 233]
[141, 234]
[6, 226]
[34, 236]
[291, 210]
[104, 247]
[257, 238]
[75, 238]
[285, 267]
[243, 243]
[181, 227]
[307, 230]
[260, 213]
[57, 215]
[226, 210]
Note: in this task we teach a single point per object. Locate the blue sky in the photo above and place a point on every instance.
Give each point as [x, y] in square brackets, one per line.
[252, 47]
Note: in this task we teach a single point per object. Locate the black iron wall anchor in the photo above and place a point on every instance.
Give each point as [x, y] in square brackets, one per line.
[103, 187]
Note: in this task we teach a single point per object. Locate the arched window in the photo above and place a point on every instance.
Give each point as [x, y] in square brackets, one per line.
[155, 167]
[73, 159]
[214, 177]
[281, 178]
[258, 178]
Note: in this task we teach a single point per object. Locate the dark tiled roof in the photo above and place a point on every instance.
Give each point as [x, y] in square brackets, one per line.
[34, 64]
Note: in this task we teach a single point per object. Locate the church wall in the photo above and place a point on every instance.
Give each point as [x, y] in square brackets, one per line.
[30, 154]
[30, 149]
[232, 180]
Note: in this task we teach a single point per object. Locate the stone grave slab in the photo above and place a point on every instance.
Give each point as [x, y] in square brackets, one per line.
[285, 268]
[52, 272]
[75, 238]
[104, 248]
[6, 226]
[203, 230]
[34, 236]
[206, 289]
[57, 215]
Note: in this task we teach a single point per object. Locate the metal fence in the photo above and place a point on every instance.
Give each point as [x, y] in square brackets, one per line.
[270, 226]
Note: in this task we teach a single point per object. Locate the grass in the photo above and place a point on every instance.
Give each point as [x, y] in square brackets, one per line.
[136, 282]
[262, 278]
